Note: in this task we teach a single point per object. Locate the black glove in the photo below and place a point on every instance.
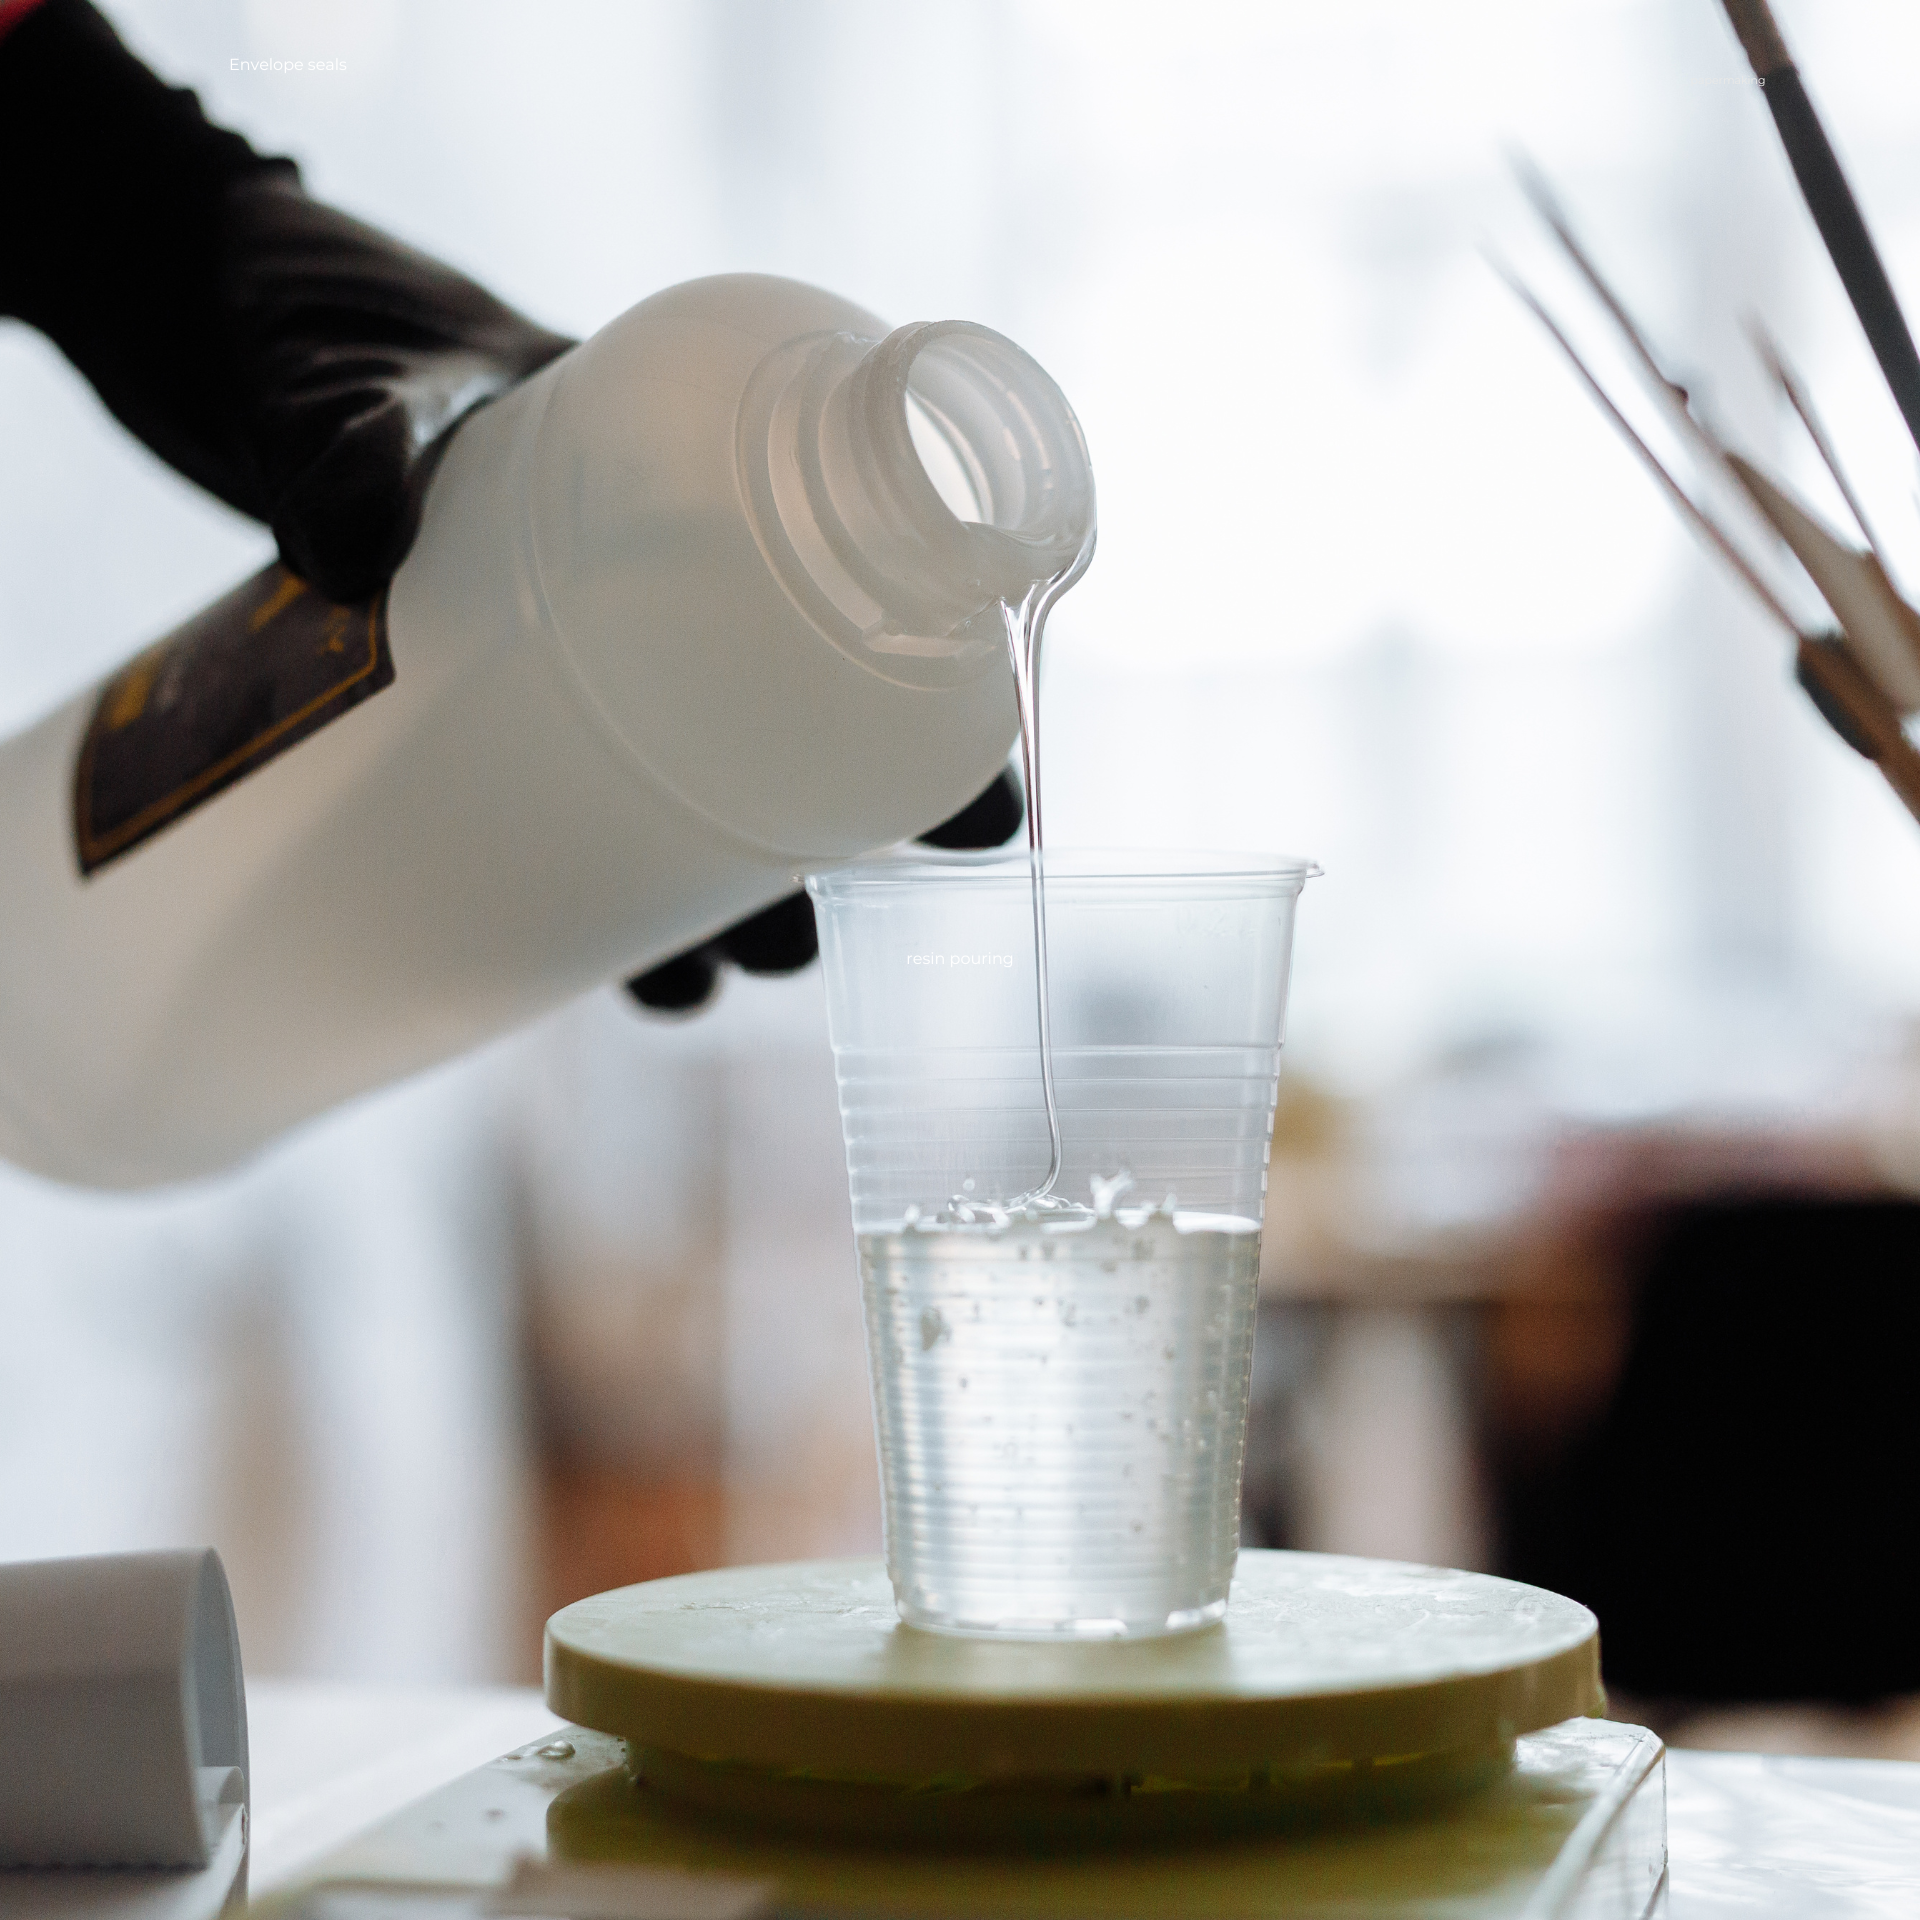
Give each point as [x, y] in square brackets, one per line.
[302, 366]
[782, 938]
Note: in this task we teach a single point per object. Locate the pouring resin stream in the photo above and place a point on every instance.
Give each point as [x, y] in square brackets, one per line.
[1060, 1386]
[1056, 1079]
[1026, 629]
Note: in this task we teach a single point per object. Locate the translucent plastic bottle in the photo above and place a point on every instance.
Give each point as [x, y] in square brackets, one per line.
[711, 601]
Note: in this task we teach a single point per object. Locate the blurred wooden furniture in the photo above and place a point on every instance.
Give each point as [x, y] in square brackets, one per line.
[1611, 1360]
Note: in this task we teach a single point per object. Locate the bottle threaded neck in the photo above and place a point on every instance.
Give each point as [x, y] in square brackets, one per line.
[905, 488]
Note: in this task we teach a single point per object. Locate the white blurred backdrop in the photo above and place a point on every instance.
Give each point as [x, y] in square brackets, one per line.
[1375, 584]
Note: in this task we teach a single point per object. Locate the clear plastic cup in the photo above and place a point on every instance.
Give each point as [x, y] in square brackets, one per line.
[1060, 1391]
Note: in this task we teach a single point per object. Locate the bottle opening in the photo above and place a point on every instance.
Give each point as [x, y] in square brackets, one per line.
[944, 465]
[988, 429]
[904, 490]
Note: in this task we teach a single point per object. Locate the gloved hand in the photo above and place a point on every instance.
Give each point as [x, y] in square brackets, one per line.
[304, 367]
[356, 357]
[782, 938]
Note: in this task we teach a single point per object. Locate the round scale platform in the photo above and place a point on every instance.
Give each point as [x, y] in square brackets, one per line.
[1335, 1687]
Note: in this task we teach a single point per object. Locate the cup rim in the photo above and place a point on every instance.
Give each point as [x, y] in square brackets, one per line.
[918, 866]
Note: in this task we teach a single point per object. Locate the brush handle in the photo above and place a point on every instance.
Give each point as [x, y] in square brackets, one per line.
[1754, 23]
[1830, 200]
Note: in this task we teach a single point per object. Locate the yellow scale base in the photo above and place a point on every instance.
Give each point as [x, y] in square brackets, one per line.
[792, 1696]
[1356, 1735]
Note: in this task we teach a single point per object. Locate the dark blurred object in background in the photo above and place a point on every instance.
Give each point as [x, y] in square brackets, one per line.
[1740, 1513]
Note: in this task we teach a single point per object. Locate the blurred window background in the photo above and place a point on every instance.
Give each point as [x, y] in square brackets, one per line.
[1611, 924]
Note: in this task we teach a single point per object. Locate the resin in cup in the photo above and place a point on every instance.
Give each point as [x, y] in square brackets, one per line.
[1061, 1405]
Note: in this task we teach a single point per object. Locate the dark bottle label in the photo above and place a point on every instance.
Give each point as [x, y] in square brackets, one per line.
[253, 675]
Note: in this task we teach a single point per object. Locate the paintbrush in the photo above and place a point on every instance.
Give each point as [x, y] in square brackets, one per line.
[1882, 629]
[1830, 200]
[1862, 677]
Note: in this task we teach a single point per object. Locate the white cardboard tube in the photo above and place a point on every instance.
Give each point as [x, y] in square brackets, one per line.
[123, 1718]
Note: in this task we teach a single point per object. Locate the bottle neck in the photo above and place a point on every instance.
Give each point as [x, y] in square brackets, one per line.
[903, 490]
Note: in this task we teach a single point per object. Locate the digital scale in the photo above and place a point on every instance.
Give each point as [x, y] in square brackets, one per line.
[1357, 1737]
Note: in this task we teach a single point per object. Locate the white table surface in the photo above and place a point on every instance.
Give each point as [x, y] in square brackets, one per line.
[1758, 1836]
[330, 1760]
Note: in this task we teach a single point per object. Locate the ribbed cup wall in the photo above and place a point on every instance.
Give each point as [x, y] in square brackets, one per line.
[1193, 1122]
[1168, 995]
